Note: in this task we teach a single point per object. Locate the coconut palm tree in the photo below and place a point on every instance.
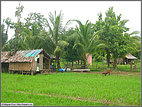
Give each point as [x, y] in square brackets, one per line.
[55, 31]
[86, 40]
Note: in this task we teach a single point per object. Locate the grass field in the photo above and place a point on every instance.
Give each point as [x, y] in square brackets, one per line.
[102, 66]
[71, 89]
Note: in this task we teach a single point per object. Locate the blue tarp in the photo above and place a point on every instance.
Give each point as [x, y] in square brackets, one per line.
[61, 69]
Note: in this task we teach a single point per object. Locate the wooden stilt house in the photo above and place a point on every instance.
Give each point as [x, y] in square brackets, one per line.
[129, 59]
[29, 61]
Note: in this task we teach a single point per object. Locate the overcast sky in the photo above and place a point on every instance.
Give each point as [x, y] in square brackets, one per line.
[81, 10]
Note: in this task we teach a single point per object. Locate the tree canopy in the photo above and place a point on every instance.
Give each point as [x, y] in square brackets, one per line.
[107, 37]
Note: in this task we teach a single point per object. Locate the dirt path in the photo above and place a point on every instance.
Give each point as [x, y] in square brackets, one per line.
[105, 102]
[101, 101]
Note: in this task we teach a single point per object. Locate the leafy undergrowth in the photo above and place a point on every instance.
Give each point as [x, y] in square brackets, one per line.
[101, 66]
[69, 89]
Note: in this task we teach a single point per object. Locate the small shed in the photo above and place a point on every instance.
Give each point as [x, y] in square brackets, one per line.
[29, 61]
[129, 59]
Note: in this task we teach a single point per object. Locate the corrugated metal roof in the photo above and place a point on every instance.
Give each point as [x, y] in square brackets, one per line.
[22, 56]
[32, 53]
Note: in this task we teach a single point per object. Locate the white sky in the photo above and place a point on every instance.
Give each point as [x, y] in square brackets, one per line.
[81, 10]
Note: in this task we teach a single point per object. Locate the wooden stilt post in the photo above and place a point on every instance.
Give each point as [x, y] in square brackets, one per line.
[22, 72]
[131, 65]
[32, 73]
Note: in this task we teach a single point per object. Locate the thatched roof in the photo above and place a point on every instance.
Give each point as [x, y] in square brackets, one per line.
[24, 56]
[4, 56]
[130, 56]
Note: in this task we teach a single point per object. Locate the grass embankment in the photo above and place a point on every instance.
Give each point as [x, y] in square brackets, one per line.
[69, 89]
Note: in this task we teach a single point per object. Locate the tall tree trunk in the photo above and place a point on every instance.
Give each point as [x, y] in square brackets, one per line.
[16, 40]
[84, 63]
[58, 63]
[131, 63]
[115, 63]
[108, 58]
[72, 64]
[18, 27]
[78, 62]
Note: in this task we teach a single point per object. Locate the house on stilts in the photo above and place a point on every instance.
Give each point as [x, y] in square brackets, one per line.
[26, 61]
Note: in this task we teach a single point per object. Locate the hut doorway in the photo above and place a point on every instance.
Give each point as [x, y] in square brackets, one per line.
[37, 64]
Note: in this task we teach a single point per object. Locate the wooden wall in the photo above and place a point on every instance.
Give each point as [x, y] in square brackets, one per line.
[34, 65]
[47, 64]
[5, 67]
[41, 62]
[22, 66]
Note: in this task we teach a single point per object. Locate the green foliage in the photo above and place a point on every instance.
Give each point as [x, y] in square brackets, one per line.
[113, 35]
[56, 34]
[108, 36]
[71, 53]
[9, 45]
[98, 57]
[136, 40]
[35, 22]
[4, 30]
[18, 25]
[86, 39]
[57, 51]
[19, 10]
[71, 89]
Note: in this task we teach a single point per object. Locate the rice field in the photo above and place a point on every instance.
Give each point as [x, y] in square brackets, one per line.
[71, 89]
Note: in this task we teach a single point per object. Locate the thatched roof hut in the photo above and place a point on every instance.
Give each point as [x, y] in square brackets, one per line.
[129, 59]
[27, 60]
[26, 55]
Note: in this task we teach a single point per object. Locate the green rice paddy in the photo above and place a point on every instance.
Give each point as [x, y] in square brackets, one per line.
[71, 89]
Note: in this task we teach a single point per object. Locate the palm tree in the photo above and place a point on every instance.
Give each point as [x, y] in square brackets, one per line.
[86, 40]
[55, 31]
